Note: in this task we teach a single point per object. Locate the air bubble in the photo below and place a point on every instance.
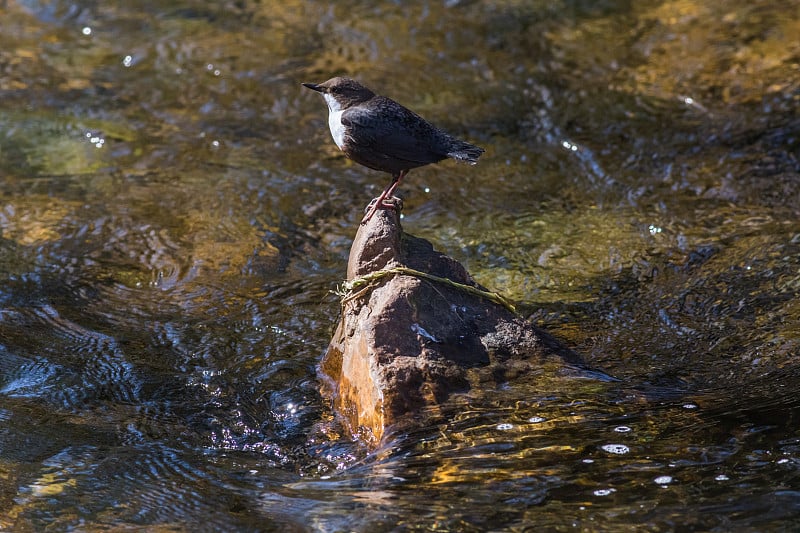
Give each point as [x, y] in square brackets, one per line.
[616, 449]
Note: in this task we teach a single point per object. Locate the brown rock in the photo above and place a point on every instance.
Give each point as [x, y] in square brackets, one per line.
[406, 342]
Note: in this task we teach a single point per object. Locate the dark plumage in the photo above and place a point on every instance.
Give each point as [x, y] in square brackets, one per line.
[381, 134]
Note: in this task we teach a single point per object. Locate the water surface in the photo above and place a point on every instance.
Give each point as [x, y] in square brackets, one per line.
[174, 215]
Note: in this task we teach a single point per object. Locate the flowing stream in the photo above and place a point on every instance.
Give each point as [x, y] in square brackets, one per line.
[174, 216]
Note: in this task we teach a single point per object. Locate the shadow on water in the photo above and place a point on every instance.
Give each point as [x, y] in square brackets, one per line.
[173, 215]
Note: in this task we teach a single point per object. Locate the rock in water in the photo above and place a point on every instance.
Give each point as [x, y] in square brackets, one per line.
[406, 342]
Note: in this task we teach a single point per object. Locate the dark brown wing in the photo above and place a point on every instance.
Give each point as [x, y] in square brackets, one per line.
[384, 135]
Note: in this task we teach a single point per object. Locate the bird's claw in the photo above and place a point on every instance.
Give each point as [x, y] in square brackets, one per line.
[387, 203]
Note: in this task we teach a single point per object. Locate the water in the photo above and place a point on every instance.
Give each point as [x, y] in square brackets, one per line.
[174, 214]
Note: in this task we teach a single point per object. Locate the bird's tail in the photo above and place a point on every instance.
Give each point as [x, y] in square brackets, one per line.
[464, 151]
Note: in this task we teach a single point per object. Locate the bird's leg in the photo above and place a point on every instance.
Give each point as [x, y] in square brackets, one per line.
[392, 186]
[387, 193]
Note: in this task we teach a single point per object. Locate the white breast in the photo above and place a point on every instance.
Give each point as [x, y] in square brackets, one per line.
[335, 120]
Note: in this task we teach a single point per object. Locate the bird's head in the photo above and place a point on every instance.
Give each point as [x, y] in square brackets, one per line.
[341, 93]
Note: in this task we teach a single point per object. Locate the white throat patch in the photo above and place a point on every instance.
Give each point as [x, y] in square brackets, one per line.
[335, 120]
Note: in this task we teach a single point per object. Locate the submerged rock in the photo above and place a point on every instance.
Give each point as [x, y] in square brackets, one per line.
[407, 340]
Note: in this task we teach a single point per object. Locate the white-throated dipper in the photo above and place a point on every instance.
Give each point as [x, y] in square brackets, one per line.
[381, 134]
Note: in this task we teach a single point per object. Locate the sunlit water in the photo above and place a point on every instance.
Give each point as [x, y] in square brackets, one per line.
[174, 214]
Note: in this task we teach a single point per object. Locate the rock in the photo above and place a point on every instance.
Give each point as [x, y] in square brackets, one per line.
[406, 342]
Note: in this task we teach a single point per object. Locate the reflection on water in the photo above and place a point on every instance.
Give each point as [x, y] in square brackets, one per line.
[173, 215]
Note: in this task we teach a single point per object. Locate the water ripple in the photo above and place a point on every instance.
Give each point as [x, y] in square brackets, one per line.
[68, 365]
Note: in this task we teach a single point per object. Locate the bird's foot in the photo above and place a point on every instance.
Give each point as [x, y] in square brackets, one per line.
[377, 203]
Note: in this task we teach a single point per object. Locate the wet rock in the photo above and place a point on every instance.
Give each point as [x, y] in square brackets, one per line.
[406, 341]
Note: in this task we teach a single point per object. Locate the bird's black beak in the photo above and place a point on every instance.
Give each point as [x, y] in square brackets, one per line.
[313, 87]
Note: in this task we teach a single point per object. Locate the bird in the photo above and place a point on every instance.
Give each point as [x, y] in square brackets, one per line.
[377, 132]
